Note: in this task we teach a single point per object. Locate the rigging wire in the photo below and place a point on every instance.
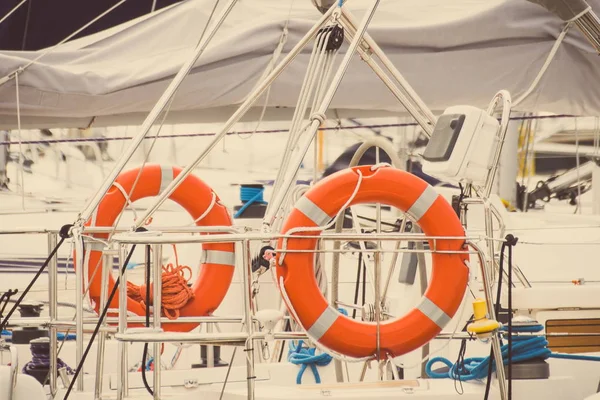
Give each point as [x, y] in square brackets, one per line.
[27, 19]
[12, 11]
[578, 207]
[264, 131]
[21, 155]
[64, 233]
[117, 282]
[52, 48]
[146, 158]
[155, 137]
[210, 17]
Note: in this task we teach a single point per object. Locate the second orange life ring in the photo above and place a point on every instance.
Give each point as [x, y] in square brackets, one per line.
[196, 197]
[422, 203]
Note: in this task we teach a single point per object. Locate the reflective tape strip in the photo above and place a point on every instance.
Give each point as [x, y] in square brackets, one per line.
[166, 177]
[312, 211]
[408, 266]
[323, 323]
[217, 257]
[423, 203]
[433, 312]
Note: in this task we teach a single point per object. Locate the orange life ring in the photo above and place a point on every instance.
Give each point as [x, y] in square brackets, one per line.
[449, 273]
[195, 196]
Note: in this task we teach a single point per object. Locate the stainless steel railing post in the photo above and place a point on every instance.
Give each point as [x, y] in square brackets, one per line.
[53, 311]
[122, 369]
[156, 313]
[107, 264]
[244, 247]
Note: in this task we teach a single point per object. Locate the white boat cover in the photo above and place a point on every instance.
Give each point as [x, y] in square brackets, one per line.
[452, 52]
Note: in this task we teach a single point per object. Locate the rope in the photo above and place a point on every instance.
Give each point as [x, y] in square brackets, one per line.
[546, 64]
[519, 348]
[276, 54]
[213, 201]
[40, 359]
[250, 195]
[321, 228]
[524, 348]
[127, 198]
[175, 290]
[306, 357]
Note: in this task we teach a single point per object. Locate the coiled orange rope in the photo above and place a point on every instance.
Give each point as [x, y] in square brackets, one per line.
[175, 290]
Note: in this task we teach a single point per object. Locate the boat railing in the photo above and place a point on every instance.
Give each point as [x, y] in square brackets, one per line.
[125, 334]
[249, 334]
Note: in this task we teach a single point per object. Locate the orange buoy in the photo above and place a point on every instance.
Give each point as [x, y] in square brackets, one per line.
[197, 198]
[386, 185]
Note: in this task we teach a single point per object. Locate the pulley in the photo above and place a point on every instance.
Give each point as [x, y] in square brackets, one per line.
[336, 37]
[368, 312]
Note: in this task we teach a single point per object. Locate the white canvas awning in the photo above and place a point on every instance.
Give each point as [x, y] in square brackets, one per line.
[458, 52]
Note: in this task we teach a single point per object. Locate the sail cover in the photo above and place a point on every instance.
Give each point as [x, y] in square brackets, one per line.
[458, 52]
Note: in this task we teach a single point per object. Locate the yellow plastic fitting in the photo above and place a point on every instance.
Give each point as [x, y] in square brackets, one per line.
[481, 324]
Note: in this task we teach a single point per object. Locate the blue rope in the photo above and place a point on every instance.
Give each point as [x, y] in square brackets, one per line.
[249, 196]
[59, 335]
[524, 348]
[306, 357]
[7, 335]
[62, 336]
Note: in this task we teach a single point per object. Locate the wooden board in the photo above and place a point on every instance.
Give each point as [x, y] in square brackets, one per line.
[574, 344]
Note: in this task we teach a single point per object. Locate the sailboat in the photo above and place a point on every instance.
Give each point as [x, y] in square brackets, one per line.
[465, 246]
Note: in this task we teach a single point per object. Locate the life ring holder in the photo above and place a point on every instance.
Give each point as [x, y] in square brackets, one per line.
[314, 212]
[201, 202]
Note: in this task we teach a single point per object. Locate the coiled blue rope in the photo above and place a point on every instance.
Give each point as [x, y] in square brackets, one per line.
[62, 336]
[250, 195]
[523, 348]
[306, 357]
